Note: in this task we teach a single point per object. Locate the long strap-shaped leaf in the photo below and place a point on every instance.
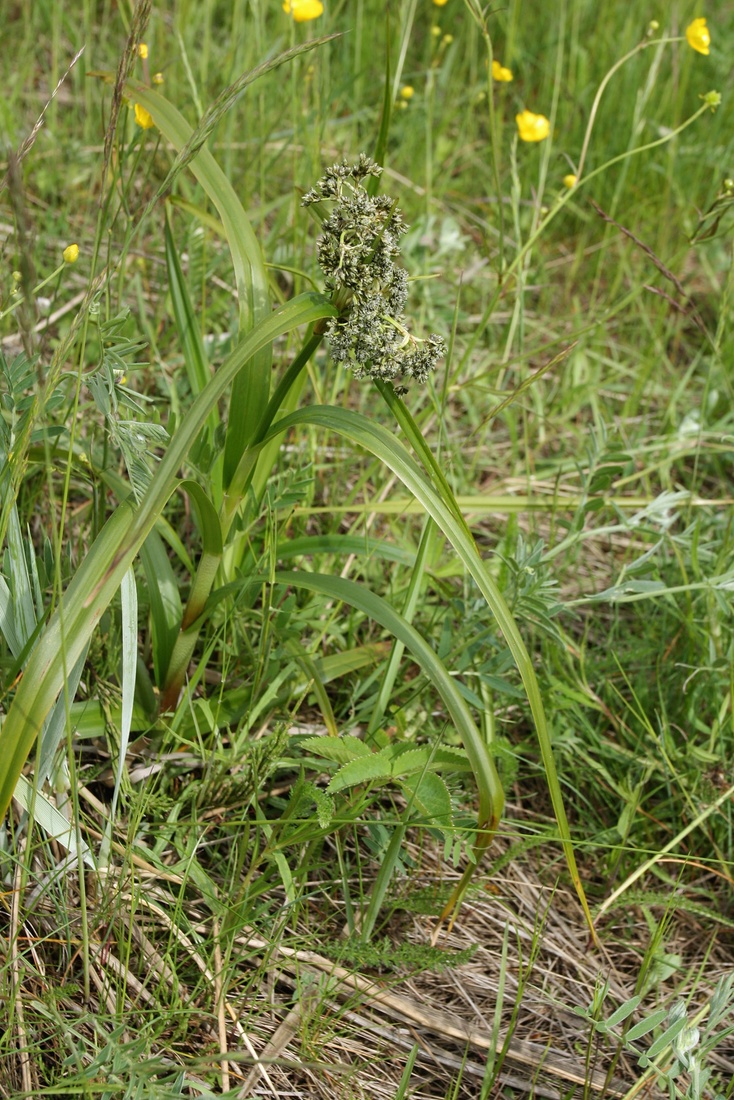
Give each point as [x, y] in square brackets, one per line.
[380, 442]
[250, 393]
[113, 551]
[252, 386]
[491, 796]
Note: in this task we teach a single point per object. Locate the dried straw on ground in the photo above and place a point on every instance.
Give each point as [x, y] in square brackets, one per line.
[272, 1017]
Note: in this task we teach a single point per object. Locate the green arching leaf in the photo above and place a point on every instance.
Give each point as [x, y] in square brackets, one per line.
[53, 734]
[382, 443]
[415, 586]
[21, 590]
[190, 339]
[362, 546]
[52, 821]
[207, 518]
[165, 602]
[251, 388]
[129, 605]
[7, 620]
[187, 326]
[210, 530]
[99, 576]
[491, 797]
[249, 266]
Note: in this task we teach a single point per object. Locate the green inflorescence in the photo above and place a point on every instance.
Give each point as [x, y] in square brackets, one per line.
[358, 253]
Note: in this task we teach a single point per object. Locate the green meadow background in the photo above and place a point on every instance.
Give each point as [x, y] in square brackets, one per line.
[271, 688]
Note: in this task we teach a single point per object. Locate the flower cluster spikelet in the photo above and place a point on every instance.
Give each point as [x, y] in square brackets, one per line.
[357, 252]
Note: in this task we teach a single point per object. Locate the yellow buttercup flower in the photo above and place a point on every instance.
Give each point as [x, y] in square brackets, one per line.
[439, 3]
[143, 118]
[698, 37]
[532, 127]
[570, 180]
[143, 51]
[499, 72]
[71, 253]
[407, 91]
[303, 10]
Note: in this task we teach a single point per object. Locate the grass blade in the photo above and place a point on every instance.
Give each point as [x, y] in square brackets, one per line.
[383, 444]
[251, 389]
[491, 795]
[129, 601]
[51, 820]
[113, 551]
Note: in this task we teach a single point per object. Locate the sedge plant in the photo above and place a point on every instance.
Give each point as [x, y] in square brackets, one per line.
[361, 314]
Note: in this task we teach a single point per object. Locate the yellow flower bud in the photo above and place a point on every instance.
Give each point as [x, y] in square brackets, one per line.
[447, 40]
[143, 51]
[71, 253]
[439, 3]
[436, 30]
[407, 91]
[698, 37]
[500, 73]
[143, 118]
[532, 127]
[303, 10]
[157, 78]
[570, 180]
